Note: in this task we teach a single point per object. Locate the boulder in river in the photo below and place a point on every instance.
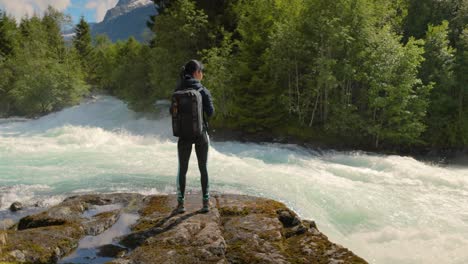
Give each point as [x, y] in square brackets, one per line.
[16, 206]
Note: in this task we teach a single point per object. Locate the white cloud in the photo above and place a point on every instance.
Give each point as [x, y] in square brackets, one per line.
[101, 7]
[21, 8]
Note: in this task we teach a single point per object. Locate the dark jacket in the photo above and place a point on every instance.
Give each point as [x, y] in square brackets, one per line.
[188, 82]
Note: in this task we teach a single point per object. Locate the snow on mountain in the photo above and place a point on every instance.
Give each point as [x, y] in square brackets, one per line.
[125, 6]
[128, 18]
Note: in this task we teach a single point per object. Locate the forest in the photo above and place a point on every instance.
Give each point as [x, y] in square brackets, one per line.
[369, 74]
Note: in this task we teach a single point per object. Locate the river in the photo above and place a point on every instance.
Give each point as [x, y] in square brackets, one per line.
[386, 209]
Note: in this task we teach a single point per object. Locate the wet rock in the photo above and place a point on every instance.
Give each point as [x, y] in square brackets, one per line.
[41, 204]
[18, 255]
[39, 220]
[295, 231]
[237, 229]
[6, 224]
[309, 224]
[57, 254]
[288, 218]
[111, 251]
[248, 241]
[39, 245]
[101, 222]
[48, 236]
[16, 206]
[3, 240]
[121, 261]
[192, 237]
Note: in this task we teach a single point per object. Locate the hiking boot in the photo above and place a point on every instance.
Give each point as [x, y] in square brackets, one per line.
[206, 206]
[180, 208]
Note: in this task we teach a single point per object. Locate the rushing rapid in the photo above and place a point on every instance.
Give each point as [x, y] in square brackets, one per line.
[387, 209]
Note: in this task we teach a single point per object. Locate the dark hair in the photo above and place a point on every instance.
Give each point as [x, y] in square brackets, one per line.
[191, 67]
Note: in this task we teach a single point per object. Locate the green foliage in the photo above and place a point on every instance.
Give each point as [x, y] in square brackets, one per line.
[438, 69]
[422, 13]
[460, 90]
[342, 70]
[40, 74]
[8, 36]
[180, 34]
[345, 70]
[257, 109]
[219, 77]
[9, 42]
[52, 22]
[45, 85]
[6, 79]
[438, 63]
[162, 5]
[131, 75]
[104, 62]
[397, 98]
[83, 45]
[375, 74]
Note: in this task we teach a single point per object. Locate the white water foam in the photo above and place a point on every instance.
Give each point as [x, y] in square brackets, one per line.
[387, 209]
[28, 195]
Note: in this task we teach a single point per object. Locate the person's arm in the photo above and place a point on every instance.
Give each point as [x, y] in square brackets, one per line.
[208, 106]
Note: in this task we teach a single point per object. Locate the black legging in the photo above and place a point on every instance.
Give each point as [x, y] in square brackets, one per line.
[184, 149]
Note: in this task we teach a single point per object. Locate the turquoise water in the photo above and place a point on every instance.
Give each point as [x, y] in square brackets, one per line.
[387, 209]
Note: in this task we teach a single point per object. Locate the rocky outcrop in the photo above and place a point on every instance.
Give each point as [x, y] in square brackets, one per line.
[48, 236]
[127, 19]
[125, 6]
[238, 229]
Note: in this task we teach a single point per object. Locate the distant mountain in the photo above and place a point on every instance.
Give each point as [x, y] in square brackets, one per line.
[128, 18]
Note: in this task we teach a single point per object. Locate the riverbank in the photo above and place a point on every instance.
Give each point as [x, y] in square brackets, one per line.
[133, 228]
[458, 156]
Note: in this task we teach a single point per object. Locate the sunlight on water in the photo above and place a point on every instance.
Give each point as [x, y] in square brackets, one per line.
[387, 209]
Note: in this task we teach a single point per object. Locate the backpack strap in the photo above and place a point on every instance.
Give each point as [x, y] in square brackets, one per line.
[204, 118]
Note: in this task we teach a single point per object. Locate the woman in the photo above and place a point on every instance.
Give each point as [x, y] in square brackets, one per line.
[191, 76]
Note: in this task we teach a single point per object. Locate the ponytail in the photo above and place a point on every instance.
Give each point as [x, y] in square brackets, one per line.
[182, 72]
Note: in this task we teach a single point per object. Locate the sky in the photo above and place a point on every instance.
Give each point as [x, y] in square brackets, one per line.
[92, 10]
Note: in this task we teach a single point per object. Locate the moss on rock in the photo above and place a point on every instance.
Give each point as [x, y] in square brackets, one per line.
[238, 229]
[156, 204]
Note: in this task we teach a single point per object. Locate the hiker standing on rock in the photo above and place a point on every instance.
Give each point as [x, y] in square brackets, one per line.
[191, 101]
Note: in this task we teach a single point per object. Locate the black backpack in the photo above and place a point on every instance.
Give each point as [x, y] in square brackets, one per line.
[187, 113]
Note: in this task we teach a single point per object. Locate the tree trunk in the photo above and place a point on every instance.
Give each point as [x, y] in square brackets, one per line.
[325, 103]
[460, 104]
[298, 93]
[291, 100]
[313, 112]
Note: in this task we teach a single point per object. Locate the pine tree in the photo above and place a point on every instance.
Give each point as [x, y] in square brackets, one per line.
[104, 62]
[83, 46]
[461, 88]
[82, 39]
[44, 75]
[52, 22]
[255, 104]
[180, 34]
[9, 39]
[8, 36]
[219, 78]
